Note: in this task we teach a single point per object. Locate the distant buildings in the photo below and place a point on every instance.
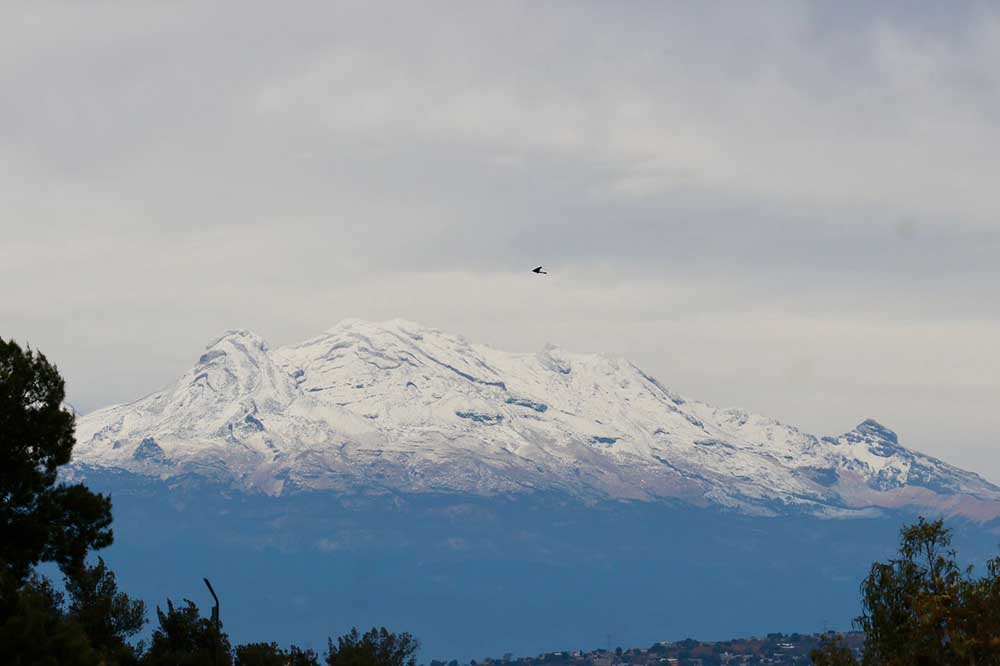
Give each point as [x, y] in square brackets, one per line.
[772, 650]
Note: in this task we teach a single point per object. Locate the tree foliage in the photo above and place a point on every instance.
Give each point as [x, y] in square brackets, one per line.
[269, 654]
[108, 616]
[922, 608]
[377, 647]
[40, 519]
[833, 652]
[36, 632]
[185, 638]
[260, 654]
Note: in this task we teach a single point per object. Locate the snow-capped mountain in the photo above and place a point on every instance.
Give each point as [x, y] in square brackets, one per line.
[399, 407]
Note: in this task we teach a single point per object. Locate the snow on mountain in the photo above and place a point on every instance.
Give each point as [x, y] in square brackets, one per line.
[399, 407]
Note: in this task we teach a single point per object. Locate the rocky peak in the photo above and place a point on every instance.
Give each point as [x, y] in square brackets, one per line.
[873, 429]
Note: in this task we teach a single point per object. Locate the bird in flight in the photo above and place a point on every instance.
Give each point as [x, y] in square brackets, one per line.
[539, 271]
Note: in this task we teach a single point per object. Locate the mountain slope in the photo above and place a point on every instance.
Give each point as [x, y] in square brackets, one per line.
[398, 407]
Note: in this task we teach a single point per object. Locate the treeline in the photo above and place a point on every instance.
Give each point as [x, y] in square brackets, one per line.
[90, 622]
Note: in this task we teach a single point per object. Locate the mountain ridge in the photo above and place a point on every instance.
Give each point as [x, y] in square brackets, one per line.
[400, 407]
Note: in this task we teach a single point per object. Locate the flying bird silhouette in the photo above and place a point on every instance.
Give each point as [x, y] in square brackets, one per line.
[538, 271]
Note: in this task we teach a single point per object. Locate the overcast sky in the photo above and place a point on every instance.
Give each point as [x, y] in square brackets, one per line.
[786, 208]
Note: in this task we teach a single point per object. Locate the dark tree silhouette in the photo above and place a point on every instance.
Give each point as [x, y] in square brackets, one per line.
[35, 631]
[269, 654]
[300, 657]
[185, 638]
[40, 520]
[260, 654]
[377, 647]
[108, 617]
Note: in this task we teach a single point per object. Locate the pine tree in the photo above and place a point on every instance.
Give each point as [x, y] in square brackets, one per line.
[269, 654]
[36, 631]
[108, 616]
[185, 638]
[300, 657]
[260, 654]
[377, 647]
[40, 520]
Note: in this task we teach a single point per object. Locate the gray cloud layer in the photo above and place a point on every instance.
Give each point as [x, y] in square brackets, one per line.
[787, 208]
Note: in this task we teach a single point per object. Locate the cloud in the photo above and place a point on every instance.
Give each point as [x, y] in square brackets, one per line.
[785, 207]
